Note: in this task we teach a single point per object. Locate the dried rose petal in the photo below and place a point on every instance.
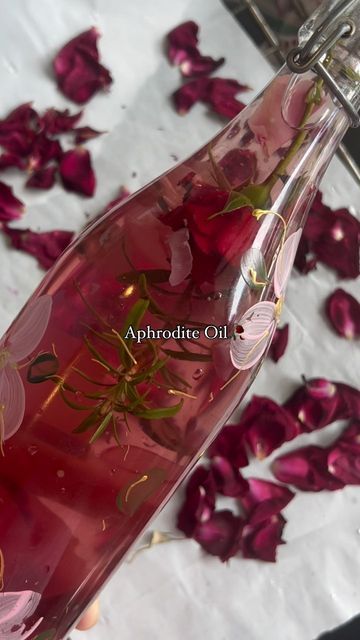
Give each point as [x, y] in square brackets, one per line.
[228, 479]
[238, 166]
[267, 426]
[199, 501]
[9, 160]
[229, 444]
[82, 134]
[320, 402]
[343, 311]
[279, 343]
[43, 178]
[220, 535]
[221, 94]
[260, 541]
[10, 207]
[186, 96]
[183, 51]
[77, 68]
[264, 499]
[54, 122]
[306, 469]
[344, 455]
[46, 246]
[18, 142]
[43, 151]
[76, 171]
[23, 117]
[331, 237]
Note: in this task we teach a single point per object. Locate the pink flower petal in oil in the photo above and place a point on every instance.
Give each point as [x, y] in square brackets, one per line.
[306, 469]
[12, 401]
[76, 171]
[264, 500]
[238, 166]
[181, 256]
[15, 607]
[267, 425]
[279, 343]
[220, 535]
[77, 68]
[183, 51]
[10, 207]
[43, 178]
[46, 246]
[260, 541]
[255, 330]
[343, 311]
[28, 328]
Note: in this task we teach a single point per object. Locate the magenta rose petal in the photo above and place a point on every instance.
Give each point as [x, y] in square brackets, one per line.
[11, 160]
[199, 65]
[54, 122]
[306, 469]
[315, 404]
[279, 343]
[77, 68]
[43, 178]
[228, 479]
[46, 246]
[220, 95]
[349, 402]
[76, 171]
[18, 142]
[267, 426]
[23, 117]
[199, 502]
[260, 541]
[344, 464]
[343, 311]
[43, 151]
[183, 51]
[220, 535]
[264, 499]
[189, 94]
[229, 444]
[239, 167]
[11, 208]
[83, 134]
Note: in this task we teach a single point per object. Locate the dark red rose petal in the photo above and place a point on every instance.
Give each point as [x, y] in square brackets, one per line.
[43, 178]
[189, 94]
[229, 444]
[279, 343]
[10, 207]
[267, 426]
[343, 311]
[344, 465]
[46, 246]
[82, 134]
[264, 499]
[78, 70]
[305, 260]
[43, 151]
[18, 142]
[76, 171]
[54, 122]
[221, 94]
[228, 479]
[10, 160]
[314, 405]
[183, 51]
[23, 117]
[238, 166]
[349, 402]
[199, 502]
[220, 535]
[260, 541]
[306, 469]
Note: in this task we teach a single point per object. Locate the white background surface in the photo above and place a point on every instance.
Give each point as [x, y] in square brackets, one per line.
[174, 591]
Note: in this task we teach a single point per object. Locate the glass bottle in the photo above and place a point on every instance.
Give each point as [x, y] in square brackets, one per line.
[148, 331]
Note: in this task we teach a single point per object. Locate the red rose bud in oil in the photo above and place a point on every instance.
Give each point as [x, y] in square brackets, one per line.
[99, 428]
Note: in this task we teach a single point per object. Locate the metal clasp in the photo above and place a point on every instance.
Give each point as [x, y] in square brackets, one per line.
[326, 35]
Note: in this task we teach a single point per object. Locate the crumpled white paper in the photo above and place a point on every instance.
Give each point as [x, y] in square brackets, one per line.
[173, 590]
